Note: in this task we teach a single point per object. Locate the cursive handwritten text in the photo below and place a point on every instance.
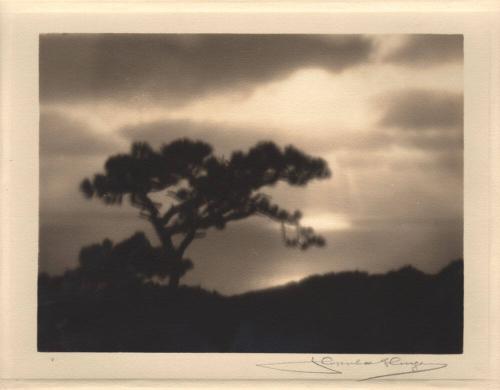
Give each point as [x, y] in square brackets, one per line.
[328, 365]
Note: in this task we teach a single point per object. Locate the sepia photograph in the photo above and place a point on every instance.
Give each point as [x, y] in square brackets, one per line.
[251, 193]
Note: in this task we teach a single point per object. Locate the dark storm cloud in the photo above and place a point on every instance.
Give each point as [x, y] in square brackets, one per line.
[447, 162]
[182, 67]
[427, 123]
[428, 50]
[417, 109]
[434, 141]
[61, 135]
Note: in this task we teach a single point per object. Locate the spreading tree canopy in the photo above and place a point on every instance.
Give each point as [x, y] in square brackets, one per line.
[204, 191]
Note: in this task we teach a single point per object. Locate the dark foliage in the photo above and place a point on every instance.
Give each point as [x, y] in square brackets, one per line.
[404, 311]
[206, 192]
[133, 259]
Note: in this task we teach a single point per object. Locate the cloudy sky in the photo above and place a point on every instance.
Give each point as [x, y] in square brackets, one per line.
[385, 111]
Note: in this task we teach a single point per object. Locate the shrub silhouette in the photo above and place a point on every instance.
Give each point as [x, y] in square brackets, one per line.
[206, 192]
[132, 260]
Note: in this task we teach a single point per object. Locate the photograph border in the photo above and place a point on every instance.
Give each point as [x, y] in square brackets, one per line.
[20, 26]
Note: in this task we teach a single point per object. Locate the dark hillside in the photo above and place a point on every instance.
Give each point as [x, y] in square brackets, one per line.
[403, 311]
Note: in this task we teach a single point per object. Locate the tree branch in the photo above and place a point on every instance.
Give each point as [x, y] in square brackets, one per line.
[152, 215]
[174, 209]
[188, 238]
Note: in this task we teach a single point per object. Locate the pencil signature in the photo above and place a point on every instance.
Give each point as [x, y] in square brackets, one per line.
[327, 365]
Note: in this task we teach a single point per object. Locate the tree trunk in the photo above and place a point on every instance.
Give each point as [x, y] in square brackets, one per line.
[176, 272]
[165, 239]
[169, 252]
[174, 280]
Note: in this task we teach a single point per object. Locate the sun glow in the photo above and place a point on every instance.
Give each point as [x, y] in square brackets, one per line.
[282, 280]
[327, 221]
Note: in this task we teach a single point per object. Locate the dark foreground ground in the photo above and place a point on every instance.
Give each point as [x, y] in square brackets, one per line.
[404, 311]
